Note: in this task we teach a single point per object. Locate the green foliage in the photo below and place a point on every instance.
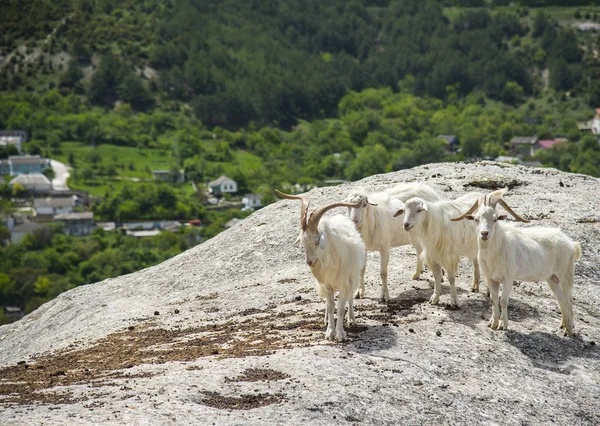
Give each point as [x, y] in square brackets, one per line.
[33, 275]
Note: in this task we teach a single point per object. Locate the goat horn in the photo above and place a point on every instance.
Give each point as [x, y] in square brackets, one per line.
[303, 211]
[496, 196]
[315, 216]
[468, 212]
[508, 209]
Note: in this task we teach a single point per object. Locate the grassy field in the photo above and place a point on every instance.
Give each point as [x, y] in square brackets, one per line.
[133, 165]
[121, 156]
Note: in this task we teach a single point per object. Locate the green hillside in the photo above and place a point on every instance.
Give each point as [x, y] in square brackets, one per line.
[235, 62]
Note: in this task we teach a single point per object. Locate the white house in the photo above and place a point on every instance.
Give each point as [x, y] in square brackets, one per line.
[52, 206]
[223, 185]
[34, 183]
[252, 201]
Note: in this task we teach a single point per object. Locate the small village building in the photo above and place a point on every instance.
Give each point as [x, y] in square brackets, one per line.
[524, 146]
[549, 143]
[19, 231]
[168, 176]
[12, 313]
[36, 183]
[106, 226]
[144, 234]
[452, 143]
[77, 224]
[223, 185]
[15, 138]
[52, 206]
[252, 201]
[17, 165]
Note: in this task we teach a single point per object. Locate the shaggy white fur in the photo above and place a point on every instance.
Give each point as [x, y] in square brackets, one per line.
[507, 253]
[380, 231]
[443, 241]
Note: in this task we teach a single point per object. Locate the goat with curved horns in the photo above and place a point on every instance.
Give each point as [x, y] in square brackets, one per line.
[380, 231]
[507, 253]
[335, 253]
[443, 243]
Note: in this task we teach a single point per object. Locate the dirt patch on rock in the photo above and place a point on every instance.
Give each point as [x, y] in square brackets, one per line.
[243, 402]
[259, 374]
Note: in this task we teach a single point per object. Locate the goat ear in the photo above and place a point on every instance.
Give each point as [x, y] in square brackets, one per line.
[297, 242]
[399, 212]
[469, 217]
[425, 207]
[322, 241]
[368, 202]
[502, 217]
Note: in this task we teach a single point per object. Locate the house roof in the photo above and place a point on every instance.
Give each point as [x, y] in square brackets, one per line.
[219, 181]
[75, 216]
[549, 143]
[9, 140]
[28, 227]
[139, 234]
[31, 179]
[13, 133]
[53, 202]
[107, 226]
[27, 159]
[253, 196]
[523, 140]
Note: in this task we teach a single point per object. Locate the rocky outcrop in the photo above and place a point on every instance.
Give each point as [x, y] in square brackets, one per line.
[230, 332]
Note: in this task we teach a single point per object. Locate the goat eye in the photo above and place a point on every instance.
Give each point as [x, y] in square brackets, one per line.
[419, 210]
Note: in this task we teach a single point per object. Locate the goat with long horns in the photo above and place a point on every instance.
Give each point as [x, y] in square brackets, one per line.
[336, 254]
[507, 253]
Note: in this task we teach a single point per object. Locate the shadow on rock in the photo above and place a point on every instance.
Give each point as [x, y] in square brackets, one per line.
[552, 352]
[407, 300]
[476, 311]
[374, 339]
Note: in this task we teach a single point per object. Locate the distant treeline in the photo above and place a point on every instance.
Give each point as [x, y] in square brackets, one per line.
[236, 62]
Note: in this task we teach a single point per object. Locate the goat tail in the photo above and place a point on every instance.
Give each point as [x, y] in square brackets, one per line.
[577, 251]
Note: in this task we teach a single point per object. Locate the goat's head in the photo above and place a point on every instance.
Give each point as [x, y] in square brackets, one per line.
[414, 211]
[359, 198]
[483, 212]
[313, 240]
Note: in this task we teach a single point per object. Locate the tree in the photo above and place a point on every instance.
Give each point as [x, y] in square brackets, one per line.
[133, 91]
[106, 80]
[369, 162]
[72, 76]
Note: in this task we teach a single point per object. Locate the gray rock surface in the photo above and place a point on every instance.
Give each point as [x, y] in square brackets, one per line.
[230, 332]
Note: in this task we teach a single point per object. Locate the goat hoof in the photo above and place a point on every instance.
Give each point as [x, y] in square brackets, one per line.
[435, 299]
[340, 338]
[360, 293]
[475, 290]
[452, 306]
[416, 276]
[493, 324]
[384, 298]
[330, 334]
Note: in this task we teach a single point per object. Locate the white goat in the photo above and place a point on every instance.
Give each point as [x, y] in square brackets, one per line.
[443, 241]
[380, 231]
[508, 253]
[335, 254]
